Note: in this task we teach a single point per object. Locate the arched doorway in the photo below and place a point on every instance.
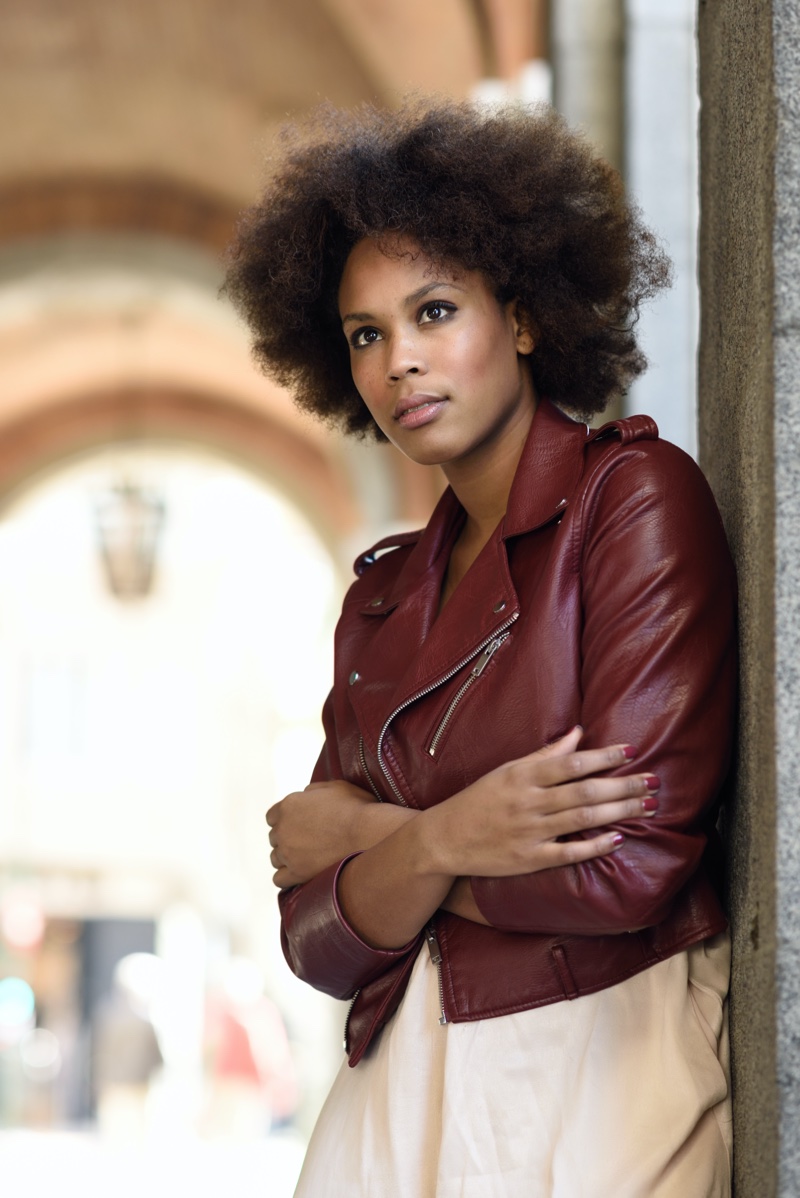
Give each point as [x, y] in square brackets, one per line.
[141, 744]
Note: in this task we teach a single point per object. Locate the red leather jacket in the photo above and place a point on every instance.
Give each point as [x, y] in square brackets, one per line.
[606, 597]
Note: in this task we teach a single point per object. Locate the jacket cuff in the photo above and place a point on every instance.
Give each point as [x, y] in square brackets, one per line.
[322, 947]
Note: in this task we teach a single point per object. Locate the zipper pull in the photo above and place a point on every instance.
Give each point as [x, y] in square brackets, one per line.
[434, 948]
[487, 656]
[432, 941]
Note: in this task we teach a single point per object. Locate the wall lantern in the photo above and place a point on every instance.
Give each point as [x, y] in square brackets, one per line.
[129, 520]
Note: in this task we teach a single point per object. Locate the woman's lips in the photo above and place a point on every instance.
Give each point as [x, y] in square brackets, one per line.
[417, 410]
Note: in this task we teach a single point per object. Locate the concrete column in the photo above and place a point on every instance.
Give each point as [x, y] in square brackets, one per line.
[750, 448]
[661, 170]
[587, 54]
[517, 49]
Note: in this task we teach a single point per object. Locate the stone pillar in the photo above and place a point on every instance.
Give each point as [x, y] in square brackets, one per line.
[749, 435]
[586, 38]
[587, 55]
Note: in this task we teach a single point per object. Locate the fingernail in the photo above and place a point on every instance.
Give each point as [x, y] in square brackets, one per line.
[576, 728]
[629, 752]
[650, 806]
[618, 840]
[652, 782]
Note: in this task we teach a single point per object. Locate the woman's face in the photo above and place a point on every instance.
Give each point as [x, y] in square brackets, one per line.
[437, 359]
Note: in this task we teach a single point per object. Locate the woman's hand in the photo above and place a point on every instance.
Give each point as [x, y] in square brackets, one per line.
[313, 828]
[511, 821]
[508, 822]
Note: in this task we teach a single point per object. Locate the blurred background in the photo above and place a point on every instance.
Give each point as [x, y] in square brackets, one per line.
[175, 539]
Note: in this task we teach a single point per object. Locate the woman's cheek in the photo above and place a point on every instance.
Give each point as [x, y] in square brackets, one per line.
[367, 381]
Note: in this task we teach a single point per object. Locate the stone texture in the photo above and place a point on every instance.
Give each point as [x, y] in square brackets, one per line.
[786, 51]
[737, 137]
[749, 443]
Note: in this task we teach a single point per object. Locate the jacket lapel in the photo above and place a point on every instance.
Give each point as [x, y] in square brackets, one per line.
[403, 621]
[549, 470]
[415, 650]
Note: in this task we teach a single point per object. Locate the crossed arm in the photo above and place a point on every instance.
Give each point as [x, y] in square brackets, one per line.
[658, 664]
[412, 863]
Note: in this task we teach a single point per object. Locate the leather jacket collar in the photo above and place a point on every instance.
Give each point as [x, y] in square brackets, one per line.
[548, 474]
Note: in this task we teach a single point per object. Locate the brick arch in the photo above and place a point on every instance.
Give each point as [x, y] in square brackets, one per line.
[40, 441]
[136, 204]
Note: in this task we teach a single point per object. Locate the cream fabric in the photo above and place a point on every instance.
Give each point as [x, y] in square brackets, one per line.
[621, 1094]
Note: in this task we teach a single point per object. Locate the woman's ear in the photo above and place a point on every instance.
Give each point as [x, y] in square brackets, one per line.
[524, 330]
[525, 341]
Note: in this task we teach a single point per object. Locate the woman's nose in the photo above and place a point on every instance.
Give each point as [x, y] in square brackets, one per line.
[404, 359]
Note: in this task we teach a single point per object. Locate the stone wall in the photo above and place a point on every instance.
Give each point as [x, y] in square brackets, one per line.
[749, 429]
[786, 358]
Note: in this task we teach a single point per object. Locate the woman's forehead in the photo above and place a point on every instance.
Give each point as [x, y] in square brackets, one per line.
[393, 265]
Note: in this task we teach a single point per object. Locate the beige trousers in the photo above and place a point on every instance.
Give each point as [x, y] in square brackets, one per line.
[621, 1094]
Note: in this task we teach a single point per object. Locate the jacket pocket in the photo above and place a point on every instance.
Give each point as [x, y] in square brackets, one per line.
[443, 726]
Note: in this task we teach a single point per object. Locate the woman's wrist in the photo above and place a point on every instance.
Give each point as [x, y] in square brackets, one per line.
[373, 822]
[434, 842]
[388, 893]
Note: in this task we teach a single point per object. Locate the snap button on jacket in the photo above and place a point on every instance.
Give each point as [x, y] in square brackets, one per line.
[606, 597]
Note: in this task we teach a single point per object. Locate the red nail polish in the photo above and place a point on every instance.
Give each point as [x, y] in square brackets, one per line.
[652, 782]
[650, 804]
[629, 752]
[618, 839]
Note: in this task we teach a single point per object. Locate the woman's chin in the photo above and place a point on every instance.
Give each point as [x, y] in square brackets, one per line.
[426, 451]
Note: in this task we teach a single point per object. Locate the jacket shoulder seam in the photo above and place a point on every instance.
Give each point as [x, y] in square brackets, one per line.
[628, 429]
[385, 546]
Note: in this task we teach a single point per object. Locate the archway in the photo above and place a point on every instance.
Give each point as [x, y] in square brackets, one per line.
[142, 742]
[39, 443]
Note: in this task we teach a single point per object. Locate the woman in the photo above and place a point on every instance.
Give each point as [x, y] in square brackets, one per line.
[538, 687]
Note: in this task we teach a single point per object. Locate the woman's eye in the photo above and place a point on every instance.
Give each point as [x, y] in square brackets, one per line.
[362, 337]
[435, 312]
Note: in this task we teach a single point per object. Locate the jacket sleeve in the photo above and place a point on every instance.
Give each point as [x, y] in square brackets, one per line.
[657, 671]
[319, 945]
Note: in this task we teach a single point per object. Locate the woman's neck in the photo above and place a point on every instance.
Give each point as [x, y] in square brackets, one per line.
[482, 483]
[482, 486]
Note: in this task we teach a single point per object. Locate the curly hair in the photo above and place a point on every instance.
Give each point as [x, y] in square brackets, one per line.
[511, 192]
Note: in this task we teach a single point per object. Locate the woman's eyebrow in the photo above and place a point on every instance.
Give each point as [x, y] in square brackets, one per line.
[433, 286]
[413, 298]
[357, 316]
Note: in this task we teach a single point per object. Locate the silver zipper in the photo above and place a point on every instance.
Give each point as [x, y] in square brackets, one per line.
[432, 941]
[362, 757]
[476, 672]
[426, 691]
[347, 1019]
[431, 938]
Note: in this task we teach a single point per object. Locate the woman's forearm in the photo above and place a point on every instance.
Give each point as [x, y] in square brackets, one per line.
[388, 893]
[519, 819]
[315, 828]
[376, 821]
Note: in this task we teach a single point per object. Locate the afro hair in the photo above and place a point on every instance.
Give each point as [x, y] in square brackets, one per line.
[512, 192]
